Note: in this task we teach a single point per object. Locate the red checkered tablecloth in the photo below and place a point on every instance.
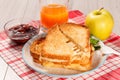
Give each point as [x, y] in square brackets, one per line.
[12, 54]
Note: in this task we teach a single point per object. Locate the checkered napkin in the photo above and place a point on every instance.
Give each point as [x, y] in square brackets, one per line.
[12, 54]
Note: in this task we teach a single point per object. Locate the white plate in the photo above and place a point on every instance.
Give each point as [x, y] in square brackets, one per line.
[98, 60]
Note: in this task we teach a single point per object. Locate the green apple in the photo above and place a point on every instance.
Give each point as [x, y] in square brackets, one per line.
[100, 22]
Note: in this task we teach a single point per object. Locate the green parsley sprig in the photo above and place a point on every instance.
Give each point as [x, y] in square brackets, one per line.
[95, 42]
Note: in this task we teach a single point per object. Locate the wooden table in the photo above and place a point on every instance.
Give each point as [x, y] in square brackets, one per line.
[30, 8]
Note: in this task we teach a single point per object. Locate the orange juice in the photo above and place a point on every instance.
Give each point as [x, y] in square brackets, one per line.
[53, 14]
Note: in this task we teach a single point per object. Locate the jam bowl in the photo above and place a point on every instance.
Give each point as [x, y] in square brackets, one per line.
[20, 30]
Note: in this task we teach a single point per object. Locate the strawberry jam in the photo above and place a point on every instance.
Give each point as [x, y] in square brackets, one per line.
[22, 33]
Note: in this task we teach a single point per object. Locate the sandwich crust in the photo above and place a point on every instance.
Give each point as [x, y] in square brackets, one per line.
[35, 49]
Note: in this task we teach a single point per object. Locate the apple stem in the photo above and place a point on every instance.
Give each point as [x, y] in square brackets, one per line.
[98, 13]
[101, 9]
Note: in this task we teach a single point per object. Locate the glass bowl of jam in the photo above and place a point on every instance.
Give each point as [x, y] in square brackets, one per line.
[21, 30]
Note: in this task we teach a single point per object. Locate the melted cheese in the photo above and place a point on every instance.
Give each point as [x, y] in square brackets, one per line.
[52, 60]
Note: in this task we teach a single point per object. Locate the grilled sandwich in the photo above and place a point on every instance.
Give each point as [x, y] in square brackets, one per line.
[67, 46]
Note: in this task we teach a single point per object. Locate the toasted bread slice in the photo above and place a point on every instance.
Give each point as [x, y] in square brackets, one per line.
[55, 45]
[58, 46]
[79, 33]
[75, 64]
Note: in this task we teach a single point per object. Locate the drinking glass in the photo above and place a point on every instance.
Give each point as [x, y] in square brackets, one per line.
[53, 12]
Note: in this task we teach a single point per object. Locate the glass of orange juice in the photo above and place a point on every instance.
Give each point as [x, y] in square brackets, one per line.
[53, 12]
